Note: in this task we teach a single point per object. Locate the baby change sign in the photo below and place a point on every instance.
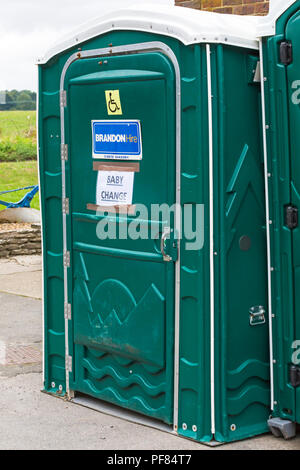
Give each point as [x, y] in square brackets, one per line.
[114, 188]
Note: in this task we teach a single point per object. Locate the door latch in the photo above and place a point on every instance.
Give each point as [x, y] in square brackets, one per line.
[257, 315]
[295, 376]
[163, 242]
[291, 217]
[286, 52]
[169, 245]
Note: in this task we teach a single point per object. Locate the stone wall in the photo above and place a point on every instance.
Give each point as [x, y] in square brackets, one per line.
[19, 239]
[239, 7]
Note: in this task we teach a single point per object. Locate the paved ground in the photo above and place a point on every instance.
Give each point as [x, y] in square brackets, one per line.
[33, 420]
[21, 276]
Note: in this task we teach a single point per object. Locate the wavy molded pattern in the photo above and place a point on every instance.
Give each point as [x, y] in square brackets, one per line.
[56, 361]
[50, 102]
[188, 176]
[107, 359]
[123, 382]
[135, 402]
[251, 368]
[124, 361]
[188, 371]
[130, 385]
[250, 395]
[188, 93]
[52, 184]
[190, 187]
[189, 283]
[248, 384]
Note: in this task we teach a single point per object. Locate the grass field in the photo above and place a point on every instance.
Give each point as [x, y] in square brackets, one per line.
[17, 124]
[15, 175]
[17, 136]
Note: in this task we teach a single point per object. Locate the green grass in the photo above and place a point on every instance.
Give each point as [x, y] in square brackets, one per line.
[17, 124]
[15, 175]
[17, 136]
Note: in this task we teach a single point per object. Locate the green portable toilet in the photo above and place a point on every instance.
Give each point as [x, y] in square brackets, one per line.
[280, 50]
[149, 105]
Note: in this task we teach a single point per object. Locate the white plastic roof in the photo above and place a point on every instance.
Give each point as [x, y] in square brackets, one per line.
[188, 25]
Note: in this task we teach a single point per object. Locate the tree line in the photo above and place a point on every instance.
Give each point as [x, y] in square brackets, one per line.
[24, 100]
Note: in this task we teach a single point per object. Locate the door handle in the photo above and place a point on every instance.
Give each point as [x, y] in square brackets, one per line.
[257, 315]
[166, 233]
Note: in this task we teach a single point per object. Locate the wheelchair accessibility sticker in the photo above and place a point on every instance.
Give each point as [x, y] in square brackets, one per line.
[117, 140]
[113, 102]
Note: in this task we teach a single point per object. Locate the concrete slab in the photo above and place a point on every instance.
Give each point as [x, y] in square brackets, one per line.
[34, 261]
[20, 264]
[46, 422]
[20, 319]
[22, 275]
[29, 285]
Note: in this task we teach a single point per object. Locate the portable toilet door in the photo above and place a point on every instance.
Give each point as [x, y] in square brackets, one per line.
[281, 60]
[157, 105]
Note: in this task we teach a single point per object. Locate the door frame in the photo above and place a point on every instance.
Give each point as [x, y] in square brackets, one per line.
[155, 46]
[269, 222]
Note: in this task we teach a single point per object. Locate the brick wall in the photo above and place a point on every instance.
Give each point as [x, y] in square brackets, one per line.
[239, 7]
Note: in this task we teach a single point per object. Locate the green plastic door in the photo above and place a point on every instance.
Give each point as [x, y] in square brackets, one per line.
[122, 289]
[293, 79]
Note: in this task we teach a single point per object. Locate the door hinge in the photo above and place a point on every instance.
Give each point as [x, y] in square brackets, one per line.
[286, 52]
[64, 152]
[69, 363]
[295, 376]
[291, 217]
[66, 206]
[63, 98]
[67, 259]
[68, 311]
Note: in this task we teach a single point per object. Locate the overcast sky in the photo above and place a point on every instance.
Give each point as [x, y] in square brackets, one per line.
[29, 27]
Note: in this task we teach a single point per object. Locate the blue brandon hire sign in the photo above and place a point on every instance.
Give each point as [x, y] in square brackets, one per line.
[117, 140]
